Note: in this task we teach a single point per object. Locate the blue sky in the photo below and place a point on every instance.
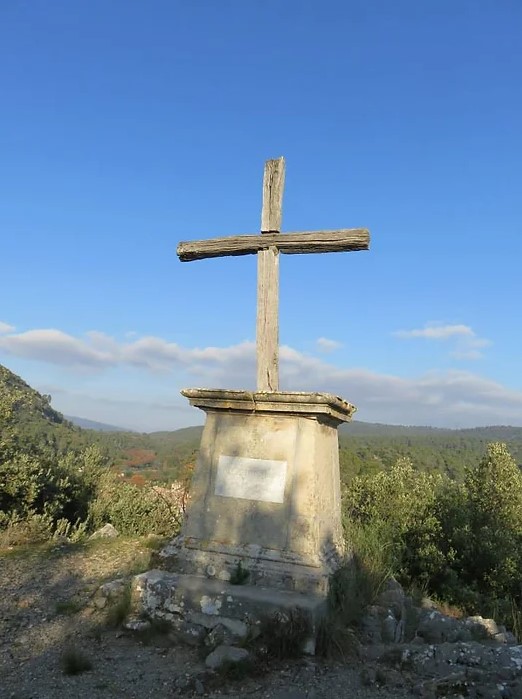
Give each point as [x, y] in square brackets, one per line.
[128, 126]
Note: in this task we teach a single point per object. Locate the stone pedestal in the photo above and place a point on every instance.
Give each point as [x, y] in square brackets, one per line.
[265, 495]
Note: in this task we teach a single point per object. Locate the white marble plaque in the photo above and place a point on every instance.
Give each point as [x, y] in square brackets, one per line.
[251, 479]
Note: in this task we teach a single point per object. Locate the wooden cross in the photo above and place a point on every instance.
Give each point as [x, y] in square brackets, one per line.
[268, 245]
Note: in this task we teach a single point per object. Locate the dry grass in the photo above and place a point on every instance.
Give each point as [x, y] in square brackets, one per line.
[450, 610]
[285, 633]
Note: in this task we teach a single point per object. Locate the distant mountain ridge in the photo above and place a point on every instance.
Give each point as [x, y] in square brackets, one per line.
[86, 424]
[375, 429]
[356, 428]
[372, 429]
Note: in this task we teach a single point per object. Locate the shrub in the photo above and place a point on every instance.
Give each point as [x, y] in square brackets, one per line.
[493, 557]
[16, 530]
[461, 542]
[285, 633]
[132, 509]
[118, 611]
[43, 496]
[381, 510]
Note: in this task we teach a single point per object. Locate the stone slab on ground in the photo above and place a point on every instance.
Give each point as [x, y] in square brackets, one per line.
[225, 654]
[182, 598]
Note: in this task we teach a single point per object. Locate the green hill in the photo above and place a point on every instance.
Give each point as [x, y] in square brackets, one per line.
[376, 429]
[24, 403]
[27, 417]
[366, 447]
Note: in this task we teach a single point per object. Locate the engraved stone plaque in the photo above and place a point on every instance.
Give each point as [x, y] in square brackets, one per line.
[251, 479]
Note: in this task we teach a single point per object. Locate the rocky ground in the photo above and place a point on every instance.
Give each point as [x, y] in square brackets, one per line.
[52, 624]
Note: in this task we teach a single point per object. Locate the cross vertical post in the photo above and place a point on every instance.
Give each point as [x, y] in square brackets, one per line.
[267, 330]
[267, 246]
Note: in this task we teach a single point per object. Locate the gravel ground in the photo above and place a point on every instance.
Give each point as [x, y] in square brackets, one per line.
[47, 619]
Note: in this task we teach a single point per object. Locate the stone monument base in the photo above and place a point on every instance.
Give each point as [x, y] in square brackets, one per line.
[262, 530]
[265, 494]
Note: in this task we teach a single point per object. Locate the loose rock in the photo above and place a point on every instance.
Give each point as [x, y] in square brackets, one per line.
[225, 654]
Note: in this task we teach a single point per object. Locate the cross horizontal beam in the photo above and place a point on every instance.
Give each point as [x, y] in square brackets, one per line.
[345, 240]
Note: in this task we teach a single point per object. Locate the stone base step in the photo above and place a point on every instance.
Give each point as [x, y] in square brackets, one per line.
[265, 568]
[206, 603]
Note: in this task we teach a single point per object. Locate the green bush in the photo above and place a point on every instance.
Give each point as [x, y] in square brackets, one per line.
[494, 554]
[382, 510]
[132, 509]
[461, 542]
[51, 494]
[45, 493]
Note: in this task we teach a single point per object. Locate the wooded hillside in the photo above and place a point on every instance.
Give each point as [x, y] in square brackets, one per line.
[163, 456]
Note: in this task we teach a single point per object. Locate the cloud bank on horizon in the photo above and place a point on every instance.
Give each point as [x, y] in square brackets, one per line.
[452, 398]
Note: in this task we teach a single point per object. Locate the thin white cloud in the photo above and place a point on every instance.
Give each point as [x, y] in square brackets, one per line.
[325, 345]
[437, 332]
[467, 343]
[55, 347]
[100, 351]
[156, 354]
[449, 398]
[6, 328]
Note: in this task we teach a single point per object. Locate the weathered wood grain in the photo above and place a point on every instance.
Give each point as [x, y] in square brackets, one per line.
[273, 186]
[345, 240]
[267, 340]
